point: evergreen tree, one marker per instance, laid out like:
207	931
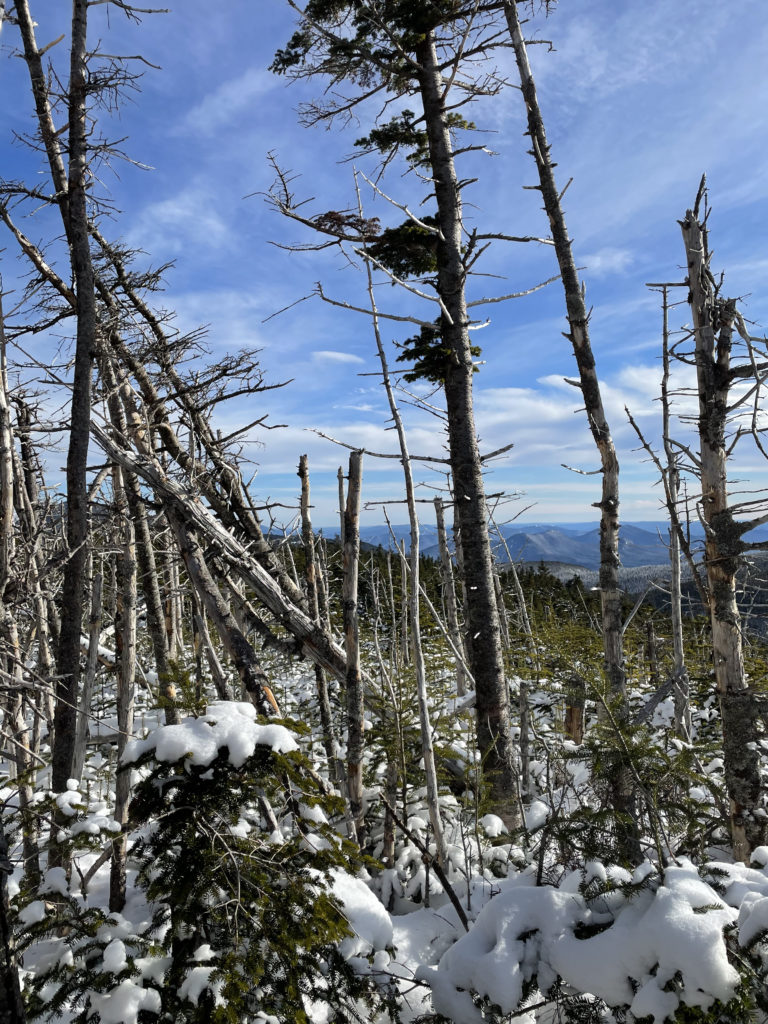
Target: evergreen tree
407	48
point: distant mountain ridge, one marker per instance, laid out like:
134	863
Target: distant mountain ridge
640	543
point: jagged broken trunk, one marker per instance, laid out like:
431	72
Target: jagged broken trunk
713	325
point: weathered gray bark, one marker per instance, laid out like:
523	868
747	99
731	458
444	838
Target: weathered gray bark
125	644
222	687
578	334
89	675
355	718
470	510
10	648
413	590
127	423
312	641
73	588
672	490
449	594
713	324
310	571
578	323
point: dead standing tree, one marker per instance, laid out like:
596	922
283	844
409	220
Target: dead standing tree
719	377
578	334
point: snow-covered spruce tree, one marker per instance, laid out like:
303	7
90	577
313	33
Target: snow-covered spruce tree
421	51
242	870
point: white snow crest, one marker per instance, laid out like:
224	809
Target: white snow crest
370	923
676	930
122	1004
228	724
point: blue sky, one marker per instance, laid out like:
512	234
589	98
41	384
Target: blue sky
639	100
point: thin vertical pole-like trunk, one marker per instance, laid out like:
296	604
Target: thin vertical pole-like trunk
682	682
405	642
127	422
221	685
578	322
340	480
250	670
73	588
577	314
413	584
713	324
15	714
470	509
449	594
310	572
354	683
125	637
89	676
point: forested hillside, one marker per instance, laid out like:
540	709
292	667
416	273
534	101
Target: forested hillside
257	771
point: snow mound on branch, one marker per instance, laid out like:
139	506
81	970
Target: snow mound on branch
122	1004
230	724
526	933
369	921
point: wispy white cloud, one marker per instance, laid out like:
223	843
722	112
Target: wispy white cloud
232	100
608	260
190	216
331	356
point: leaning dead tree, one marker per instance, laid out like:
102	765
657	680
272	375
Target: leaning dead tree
727	388
579	336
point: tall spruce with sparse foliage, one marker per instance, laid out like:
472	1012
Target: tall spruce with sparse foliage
417	50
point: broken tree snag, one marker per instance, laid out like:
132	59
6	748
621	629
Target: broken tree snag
713	324
575	699
354	683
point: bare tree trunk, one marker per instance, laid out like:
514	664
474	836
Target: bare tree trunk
405	639
91	664
470	510
682	682
414	588
713	322
578	323
223	689
314	642
15	715
127	422
308	540
74	589
125	643
449	594
355	716
340	479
